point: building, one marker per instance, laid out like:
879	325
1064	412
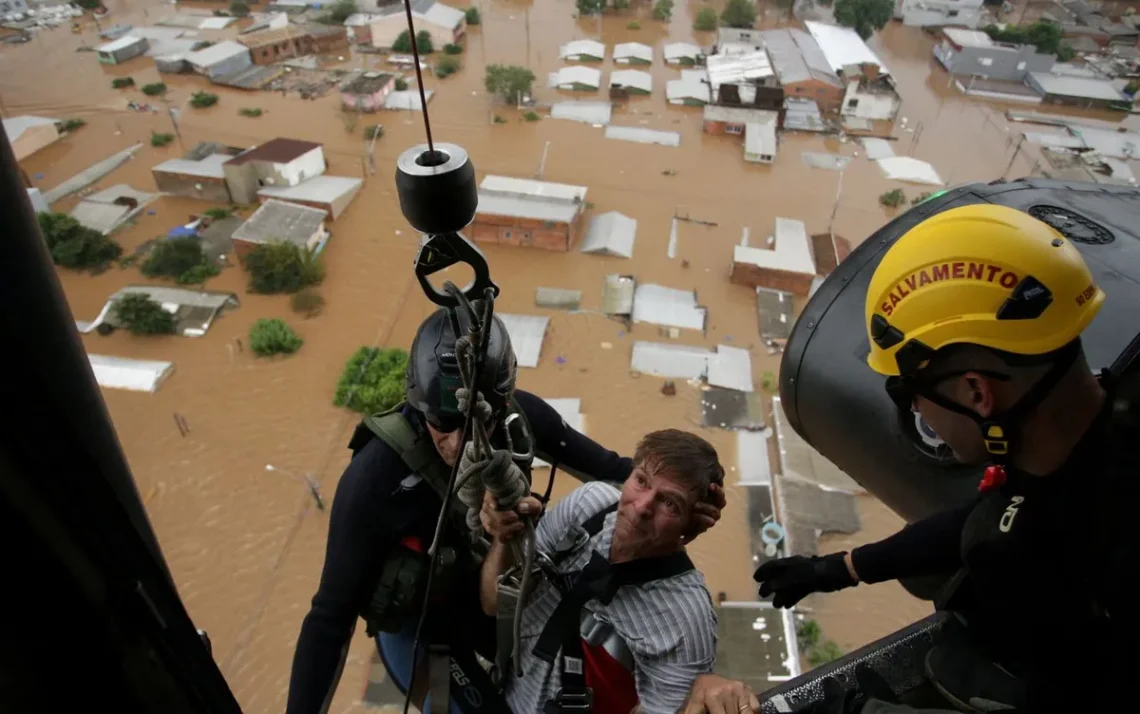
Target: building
281	222
445	24
760	142
973	53
358	27
685	54
1084	92
194	310
939	13
787	266
582	51
624	82
276	163
744	80
869	90
28	134
269	46
633	53
733	120
366	92
221	59
802	69
203	179
123	49
11	7
692	89
736	41
577	79
330	194
522	212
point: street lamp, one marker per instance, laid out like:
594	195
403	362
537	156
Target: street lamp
314	487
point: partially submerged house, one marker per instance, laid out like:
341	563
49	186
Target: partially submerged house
760	142
802	69
758	126
366	93
1084	92
28	134
331	194
939	13
226	57
788	265
973	53
738	41
276	163
274	45
744	80
610	233
692	89
106	210
523	212
527	333
630	81
446	25
194	310
123	49
577	79
200	178
582	51
633	53
135	375
870	93
281	222
668	307
685	54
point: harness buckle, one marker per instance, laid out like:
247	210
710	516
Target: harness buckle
573	699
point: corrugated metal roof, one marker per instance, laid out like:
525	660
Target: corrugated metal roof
120	44
690	86
443	15
1077	87
571	412
739	68
527	333
319	189
739	115
216	53
731	368
102	217
967	38
588	112
670	361
842	47
617	295
18	125
659	305
876	148
633	78
558	298
209	167
681	50
632	51
610	233
580	48
752	465
776	311
797	57
136	375
792	252
569	76
641	135
760	139
407	99
281	221
906	168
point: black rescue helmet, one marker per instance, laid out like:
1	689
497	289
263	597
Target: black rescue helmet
433	371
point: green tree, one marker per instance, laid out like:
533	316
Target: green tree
508	81
446	66
706	20
402	43
864	16
154	89
307	302
893	198
621	4
201	100
738	13
270	336
239	8
401	84
663	10
142	316
122	82
217	213
340	11
159	140
472	14
423	42
453	49
373	380
282	268
590	7
172	257
74	245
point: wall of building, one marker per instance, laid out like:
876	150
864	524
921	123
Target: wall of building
508	230
828	97
1001	63
213	189
305	166
33	139
320	206
867	105
386	30
228	66
936	13
242	182
754	276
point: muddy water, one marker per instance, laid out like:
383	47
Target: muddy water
246	545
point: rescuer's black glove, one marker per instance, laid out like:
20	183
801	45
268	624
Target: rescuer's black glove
792	579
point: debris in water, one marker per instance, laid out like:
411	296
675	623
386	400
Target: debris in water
668	172
152	212
607	345
684	263
669	389
559	360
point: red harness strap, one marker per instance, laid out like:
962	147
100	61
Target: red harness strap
615	690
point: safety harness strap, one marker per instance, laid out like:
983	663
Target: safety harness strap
439	678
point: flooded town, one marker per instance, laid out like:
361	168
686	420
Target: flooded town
662	187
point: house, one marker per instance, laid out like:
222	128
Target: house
737	41
579	79
194	310
787	266
444	23
281	222
633	53
582	51
106	210
692	89
123	49
276	163
630	81
269	46
522	212
733	120
28	134
683	53
745	79
829	251
366	92
1084	92
974	54
760	142
870	93
221	59
331	194
802	69
610	233
939	13
358	27
203	179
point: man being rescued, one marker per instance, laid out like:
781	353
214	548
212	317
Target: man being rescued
621	619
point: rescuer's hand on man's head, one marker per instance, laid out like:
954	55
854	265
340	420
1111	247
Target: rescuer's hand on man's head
789	580
502	524
707	512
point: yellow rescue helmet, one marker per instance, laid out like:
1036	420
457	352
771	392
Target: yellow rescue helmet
984	274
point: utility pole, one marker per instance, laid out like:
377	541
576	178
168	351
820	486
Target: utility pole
1014	157
542	164
835	208
174	121
528	36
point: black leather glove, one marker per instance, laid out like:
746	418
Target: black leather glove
792	579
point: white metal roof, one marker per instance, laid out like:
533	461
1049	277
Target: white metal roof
319	189
407	99
216	23
571	412
792	252
281	221
102	217
659	305
119	44
632	50
752	463
760	138
136	375
524	198
583	110
641	135
689	86
797	57
842	46
159	34
740	115
1077	86
576	48
216	53
731	368
876	148
527	333
680	50
576	75
610	233
18	125
443	15
671	361
906	168
634	78
735	69
209	167
967	38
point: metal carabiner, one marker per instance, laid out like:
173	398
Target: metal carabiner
443	250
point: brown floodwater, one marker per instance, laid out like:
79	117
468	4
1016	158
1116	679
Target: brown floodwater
246	545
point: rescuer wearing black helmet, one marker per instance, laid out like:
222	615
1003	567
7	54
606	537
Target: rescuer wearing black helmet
384	514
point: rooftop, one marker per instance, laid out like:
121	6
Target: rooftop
760	138
739	115
277	221
216	53
428	10
593	48
261	38
693	84
524	198
18	125
587	76
278	151
659	305
610	233
738	69
797	57
791	254
633	50
843	47
367	83
319	189
676	50
209	167
967	38
1077	87
120	44
633	78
